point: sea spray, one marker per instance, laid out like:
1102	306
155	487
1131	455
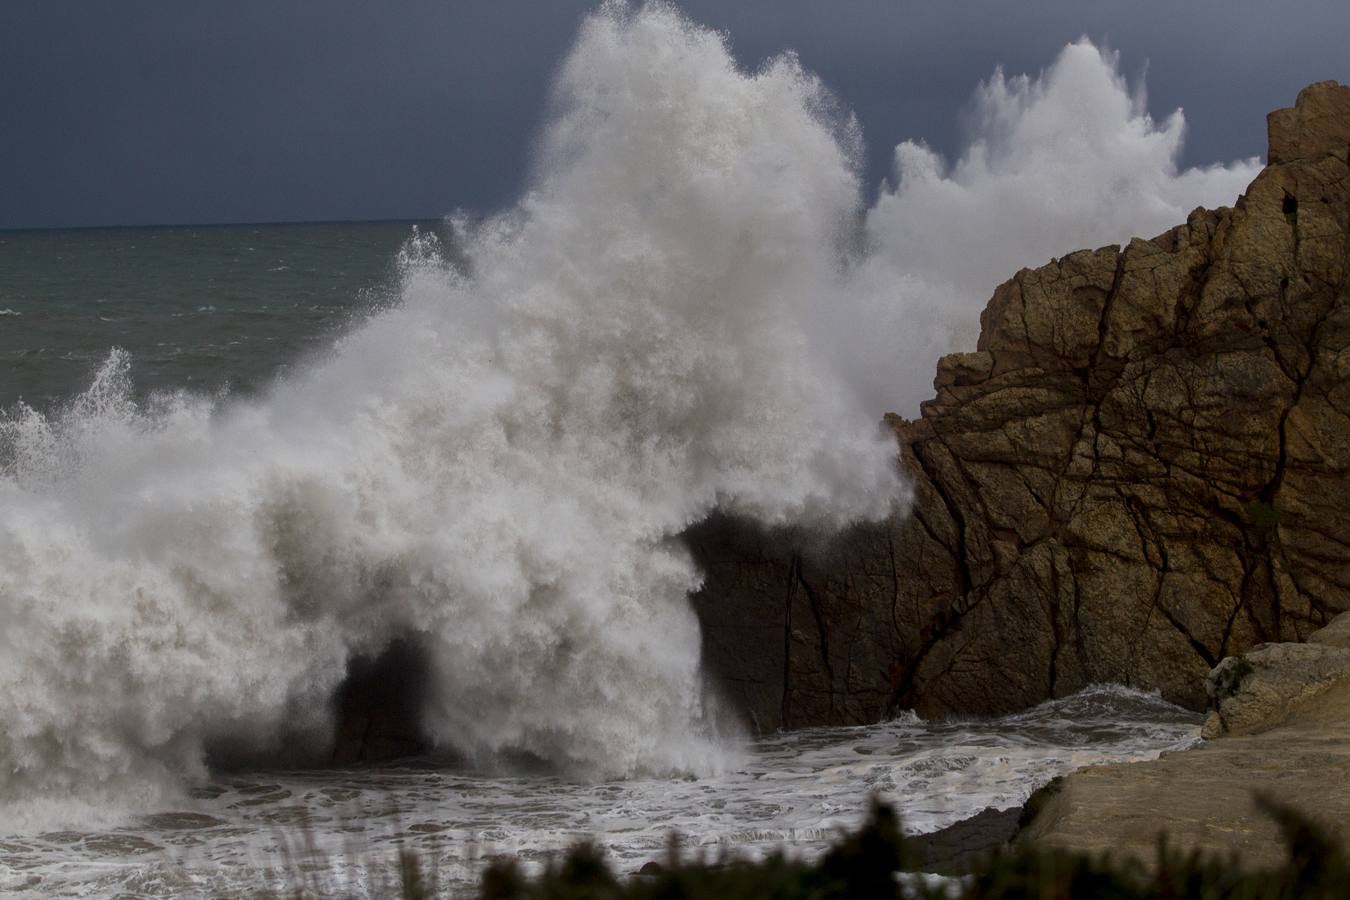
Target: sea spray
793	791
675	317
497	469
1066	160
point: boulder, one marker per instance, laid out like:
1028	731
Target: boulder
1206	799
962	848
1280	730
1273	683
1140	470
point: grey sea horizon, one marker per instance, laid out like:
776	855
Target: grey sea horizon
206	308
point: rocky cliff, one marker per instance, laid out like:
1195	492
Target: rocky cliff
1140	470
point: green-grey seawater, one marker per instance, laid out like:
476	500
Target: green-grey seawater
207	308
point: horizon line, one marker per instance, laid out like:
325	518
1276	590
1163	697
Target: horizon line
6	229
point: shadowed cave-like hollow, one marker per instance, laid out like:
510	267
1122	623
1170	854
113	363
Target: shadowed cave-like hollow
378	708
376	716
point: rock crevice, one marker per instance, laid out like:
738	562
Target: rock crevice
1141	469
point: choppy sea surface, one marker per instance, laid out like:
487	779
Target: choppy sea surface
206	308
228	310
341	830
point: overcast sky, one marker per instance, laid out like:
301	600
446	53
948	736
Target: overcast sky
194	111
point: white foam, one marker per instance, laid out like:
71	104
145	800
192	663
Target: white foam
498	467
795	792
1064	160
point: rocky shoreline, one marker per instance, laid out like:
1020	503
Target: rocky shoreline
1141	476
1196	523
1142	469
1279	728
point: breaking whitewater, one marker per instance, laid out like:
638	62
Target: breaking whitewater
690	309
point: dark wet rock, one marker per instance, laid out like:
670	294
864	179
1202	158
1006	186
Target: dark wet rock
208	791
180	821
118	844
1143	468
379	707
961	848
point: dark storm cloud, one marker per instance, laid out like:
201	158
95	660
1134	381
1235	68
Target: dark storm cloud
193	111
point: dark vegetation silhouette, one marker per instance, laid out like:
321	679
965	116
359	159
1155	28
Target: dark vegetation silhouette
869	864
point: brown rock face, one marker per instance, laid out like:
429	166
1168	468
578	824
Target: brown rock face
1273	684
1141	470
1204	799
1282	723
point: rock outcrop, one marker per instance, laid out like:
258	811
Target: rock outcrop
1272	684
1140	470
1282	729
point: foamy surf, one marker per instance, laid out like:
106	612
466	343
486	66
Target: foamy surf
676	317
792	791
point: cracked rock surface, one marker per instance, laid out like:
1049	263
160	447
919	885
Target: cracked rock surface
1140	470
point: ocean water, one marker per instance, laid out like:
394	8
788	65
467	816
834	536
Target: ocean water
342	830
233	460
203	308
281	297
